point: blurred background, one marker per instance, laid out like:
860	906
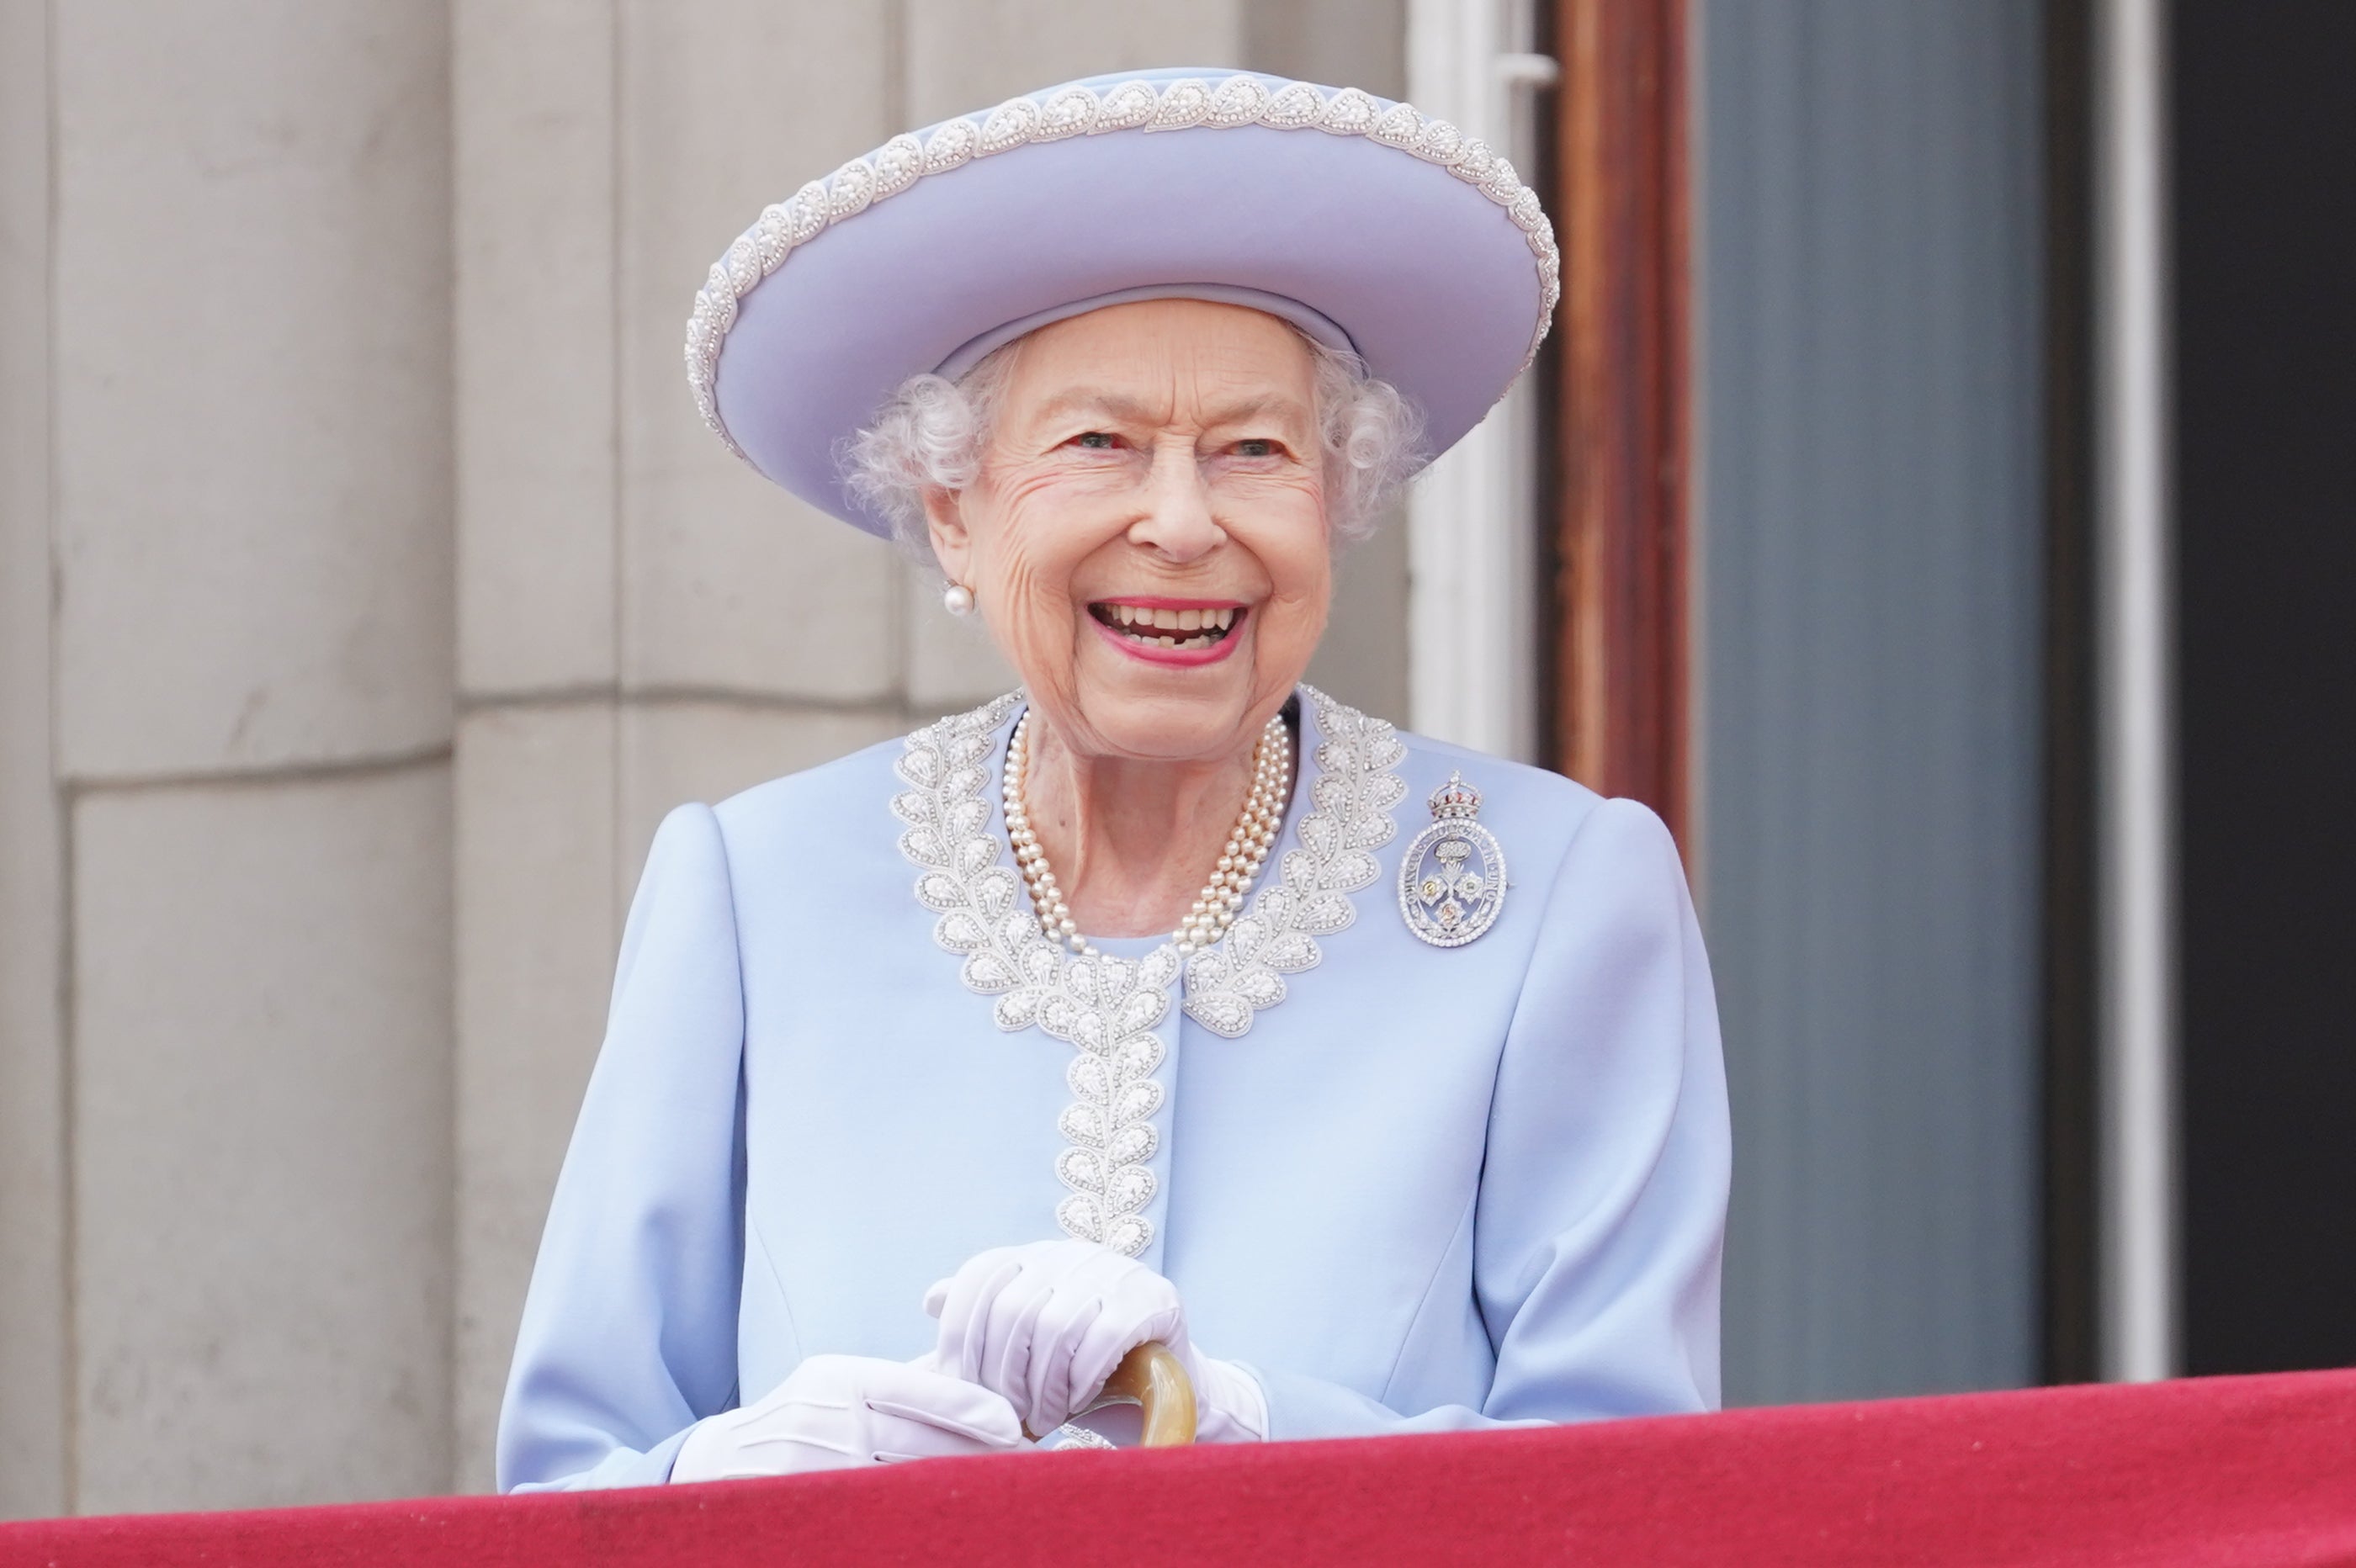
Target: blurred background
1935	500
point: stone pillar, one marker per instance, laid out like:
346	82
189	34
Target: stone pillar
225	808
643	621
33	1333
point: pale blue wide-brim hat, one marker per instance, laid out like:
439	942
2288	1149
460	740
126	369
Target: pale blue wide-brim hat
1363	222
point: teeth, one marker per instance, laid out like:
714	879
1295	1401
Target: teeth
1143	623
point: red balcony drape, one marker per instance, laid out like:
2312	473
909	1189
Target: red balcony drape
2226	1472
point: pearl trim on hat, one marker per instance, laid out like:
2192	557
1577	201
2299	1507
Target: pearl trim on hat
1187	103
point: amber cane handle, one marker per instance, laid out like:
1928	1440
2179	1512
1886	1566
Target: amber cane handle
1155	1381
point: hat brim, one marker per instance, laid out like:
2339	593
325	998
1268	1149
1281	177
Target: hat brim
1432	269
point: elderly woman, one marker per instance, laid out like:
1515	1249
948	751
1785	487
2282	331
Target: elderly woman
1165	999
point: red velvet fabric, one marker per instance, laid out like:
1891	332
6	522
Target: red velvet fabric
2225	1471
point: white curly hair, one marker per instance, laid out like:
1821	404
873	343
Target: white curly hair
930	433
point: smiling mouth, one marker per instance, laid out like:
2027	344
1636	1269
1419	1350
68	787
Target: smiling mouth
1159	626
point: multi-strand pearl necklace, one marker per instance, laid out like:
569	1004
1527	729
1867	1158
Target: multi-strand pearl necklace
1247	848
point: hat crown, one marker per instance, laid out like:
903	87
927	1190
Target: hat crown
1455	331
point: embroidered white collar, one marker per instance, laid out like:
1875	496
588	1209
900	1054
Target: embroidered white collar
1109	1008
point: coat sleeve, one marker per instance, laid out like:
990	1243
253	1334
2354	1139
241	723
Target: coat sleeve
629	1330
1602	1213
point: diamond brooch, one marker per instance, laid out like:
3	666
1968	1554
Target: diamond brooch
1451	883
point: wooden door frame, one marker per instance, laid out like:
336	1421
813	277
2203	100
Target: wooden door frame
1619	512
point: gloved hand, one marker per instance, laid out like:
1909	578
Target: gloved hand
1044	1324
835	1411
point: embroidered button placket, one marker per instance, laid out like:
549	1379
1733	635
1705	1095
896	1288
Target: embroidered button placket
1111	1010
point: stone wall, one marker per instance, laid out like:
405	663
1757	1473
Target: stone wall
368	591
229	737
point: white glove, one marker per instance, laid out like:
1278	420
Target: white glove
1044	1324
835	1411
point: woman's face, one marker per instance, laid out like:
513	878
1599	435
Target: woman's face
1147	538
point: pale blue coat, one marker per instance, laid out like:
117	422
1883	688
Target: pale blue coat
1429	1188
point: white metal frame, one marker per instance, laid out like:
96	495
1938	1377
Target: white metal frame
1472	557
2136	848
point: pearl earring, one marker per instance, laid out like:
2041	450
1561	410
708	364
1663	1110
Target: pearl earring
957	598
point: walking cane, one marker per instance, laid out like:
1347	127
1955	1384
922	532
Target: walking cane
1153	1380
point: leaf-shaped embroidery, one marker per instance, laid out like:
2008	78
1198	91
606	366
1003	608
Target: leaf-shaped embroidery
976	853
1106	981
1017	1009
1138	1056
1347	111
1009	125
1083	1124
939	891
994	891
921	766
1158	968
1209	971
1082	1170
1139	1101
1439	142
1221	1012
924	846
987	972
1291	953
1087	1030
1183	103
1134	1145
1082	1216
1350	871
1321	836
1295	105
966	817
1243	940
1068	112
1260	987
1089	1078
1399	126
1126	108
899	164
960	931
1128	1235
1323	913
912	806
1079	980
1058	1014
1130	1188
1139	1010
1239	100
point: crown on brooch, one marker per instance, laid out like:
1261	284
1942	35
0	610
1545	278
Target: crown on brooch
1455	798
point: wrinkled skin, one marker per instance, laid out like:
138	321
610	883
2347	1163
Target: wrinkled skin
1166	449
